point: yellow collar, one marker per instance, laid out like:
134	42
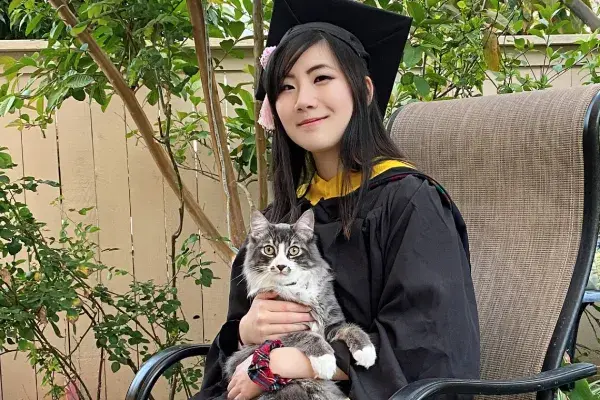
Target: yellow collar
320	189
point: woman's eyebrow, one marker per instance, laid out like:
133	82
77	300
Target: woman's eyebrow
312	69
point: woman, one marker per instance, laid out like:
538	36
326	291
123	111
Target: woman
397	245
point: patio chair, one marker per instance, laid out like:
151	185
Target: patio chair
524	171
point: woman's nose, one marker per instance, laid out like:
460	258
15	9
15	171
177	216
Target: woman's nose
307	98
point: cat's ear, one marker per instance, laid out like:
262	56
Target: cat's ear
305	224
258	223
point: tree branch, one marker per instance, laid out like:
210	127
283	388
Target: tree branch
235	220
259	132
147	131
583	12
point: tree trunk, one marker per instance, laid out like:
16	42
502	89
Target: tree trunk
218	133
583	12
261	141
147	132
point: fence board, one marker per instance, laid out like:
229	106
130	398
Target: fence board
148	216
112	185
76	157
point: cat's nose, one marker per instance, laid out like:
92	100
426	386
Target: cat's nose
281	267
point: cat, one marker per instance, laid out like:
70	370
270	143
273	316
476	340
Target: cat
284	258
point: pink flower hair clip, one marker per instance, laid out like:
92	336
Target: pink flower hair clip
265	117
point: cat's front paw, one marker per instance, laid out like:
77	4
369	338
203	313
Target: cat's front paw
366	356
324	366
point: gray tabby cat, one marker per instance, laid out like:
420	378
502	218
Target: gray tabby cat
284	258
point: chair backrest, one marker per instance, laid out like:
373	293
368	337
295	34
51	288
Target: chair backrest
523	170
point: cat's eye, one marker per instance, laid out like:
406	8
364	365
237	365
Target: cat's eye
294	251
268	250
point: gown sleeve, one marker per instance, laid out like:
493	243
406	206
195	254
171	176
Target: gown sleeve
426	325
214	386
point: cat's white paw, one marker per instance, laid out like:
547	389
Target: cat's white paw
365	356
324	366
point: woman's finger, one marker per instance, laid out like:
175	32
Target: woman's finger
285	306
287	318
279	329
231	384
266	295
233	393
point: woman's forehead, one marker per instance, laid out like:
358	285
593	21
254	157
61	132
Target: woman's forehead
315	57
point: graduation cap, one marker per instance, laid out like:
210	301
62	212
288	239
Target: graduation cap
376	35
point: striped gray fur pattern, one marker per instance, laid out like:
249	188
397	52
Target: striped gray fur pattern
284	258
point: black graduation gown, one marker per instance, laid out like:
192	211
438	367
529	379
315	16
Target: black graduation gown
404	276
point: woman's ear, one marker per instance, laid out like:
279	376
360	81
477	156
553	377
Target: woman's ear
369	84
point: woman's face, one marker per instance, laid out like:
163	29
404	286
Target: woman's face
315	101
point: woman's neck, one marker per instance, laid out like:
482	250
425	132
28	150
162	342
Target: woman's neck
327	163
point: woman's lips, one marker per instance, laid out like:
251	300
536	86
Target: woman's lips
312	121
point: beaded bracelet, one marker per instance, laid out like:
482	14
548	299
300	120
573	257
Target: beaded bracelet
260	372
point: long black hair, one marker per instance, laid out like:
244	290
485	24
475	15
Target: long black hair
364	141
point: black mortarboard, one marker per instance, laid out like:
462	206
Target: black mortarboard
377	35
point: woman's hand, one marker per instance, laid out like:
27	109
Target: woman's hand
270	319
241	387
287	362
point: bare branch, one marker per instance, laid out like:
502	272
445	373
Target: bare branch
261	140
235	220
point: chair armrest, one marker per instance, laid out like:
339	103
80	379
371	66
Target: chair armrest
543	381
155	366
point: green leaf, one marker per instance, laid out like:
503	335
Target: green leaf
33	23
430	40
237	29
57	30
55	328
14	4
207	277
77	29
227	45
27	333
14	247
407	78
6	105
412	55
518	25
5	161
6	234
421	85
537	33
28	61
78	81
190	70
78	94
153	97
85	210
248	6
115	367
416	11
183	326
520	43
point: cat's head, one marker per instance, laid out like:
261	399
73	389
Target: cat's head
280	254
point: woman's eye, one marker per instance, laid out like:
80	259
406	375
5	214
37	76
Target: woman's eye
294	251
286	87
269	250
322	78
